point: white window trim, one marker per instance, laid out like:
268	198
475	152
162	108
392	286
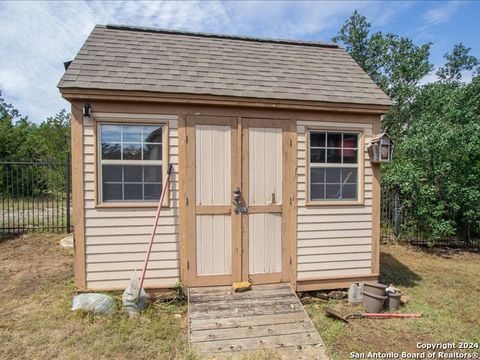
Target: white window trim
99	162
360	165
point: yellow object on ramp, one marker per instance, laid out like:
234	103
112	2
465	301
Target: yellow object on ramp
242	286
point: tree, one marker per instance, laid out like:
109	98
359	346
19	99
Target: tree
393	62
457	62
437	166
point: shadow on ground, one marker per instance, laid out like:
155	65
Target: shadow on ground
395	272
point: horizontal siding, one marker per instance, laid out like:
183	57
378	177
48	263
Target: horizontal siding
116	238
332	240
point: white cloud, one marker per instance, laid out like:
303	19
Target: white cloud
37	37
441	14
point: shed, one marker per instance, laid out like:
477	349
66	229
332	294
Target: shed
286	122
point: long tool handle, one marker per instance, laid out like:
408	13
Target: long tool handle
154	228
390	315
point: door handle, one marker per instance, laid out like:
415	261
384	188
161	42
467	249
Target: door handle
237	201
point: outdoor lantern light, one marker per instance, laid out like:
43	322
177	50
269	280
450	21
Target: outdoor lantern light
87	110
380	148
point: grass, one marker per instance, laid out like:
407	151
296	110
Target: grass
444	287
37	290
36	320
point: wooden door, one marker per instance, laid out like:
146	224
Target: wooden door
265	185
213	229
224	245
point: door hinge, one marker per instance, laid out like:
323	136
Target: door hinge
290	261
290	142
188	265
186	201
186	139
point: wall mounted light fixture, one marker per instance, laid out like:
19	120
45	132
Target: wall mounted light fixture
87	110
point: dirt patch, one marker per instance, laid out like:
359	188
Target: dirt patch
27	263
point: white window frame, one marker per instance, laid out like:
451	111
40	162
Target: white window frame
99	162
359	165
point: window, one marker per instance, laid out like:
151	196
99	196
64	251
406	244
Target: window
130	162
333	166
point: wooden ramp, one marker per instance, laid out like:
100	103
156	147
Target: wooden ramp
267	318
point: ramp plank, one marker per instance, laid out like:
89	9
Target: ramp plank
267	318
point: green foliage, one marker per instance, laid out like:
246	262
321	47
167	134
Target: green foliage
21	139
436	128
437	166
459	60
395	63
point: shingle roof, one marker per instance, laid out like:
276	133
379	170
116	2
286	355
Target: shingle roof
126	58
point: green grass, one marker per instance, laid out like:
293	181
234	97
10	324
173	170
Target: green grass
445	289
37	291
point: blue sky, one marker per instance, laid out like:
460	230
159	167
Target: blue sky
37	37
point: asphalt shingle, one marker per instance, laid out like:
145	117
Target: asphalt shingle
177	62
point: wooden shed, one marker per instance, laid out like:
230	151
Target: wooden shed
286	122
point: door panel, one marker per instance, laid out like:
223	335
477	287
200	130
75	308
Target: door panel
214	245
213	164
265	166
265	238
213	230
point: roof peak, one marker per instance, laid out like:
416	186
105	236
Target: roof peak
219	36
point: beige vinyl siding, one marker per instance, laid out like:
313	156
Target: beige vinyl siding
116	238
332	240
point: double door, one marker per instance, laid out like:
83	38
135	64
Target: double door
239	196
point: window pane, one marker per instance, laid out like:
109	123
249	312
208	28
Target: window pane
349	192
317	192
132	173
349	156
349	176
317	175
111	151
334	140
333	175
152	173
110	133
132	192
112	192
317	155
350	140
334	156
131	133
152	134
152	152
152	191
132	152
332	191
112	173
317	139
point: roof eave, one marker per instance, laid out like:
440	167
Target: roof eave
75	94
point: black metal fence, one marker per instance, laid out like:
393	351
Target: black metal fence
35	195
400	223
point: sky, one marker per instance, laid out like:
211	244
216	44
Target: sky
36	38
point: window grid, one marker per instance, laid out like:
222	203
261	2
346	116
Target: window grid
333	165
133	162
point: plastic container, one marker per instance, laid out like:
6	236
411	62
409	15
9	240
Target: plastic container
393	300
374	288
374	303
355	294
